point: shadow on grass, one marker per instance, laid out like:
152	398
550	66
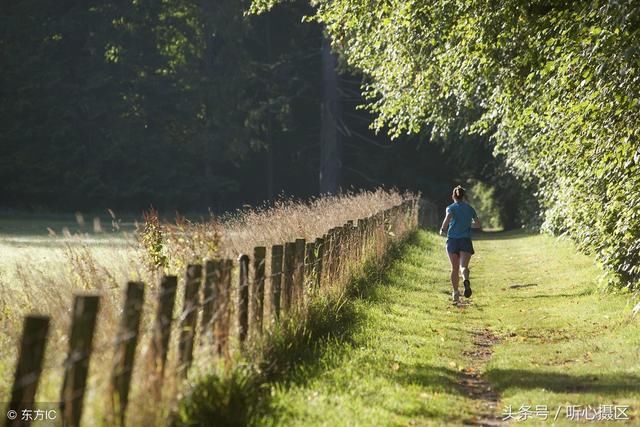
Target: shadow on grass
501	235
583	293
614	384
289	355
428	375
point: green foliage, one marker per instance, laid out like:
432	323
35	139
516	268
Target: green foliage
214	400
554	83
152	241
482	198
114	105
186	105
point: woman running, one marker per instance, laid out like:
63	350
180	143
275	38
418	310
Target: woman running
460	218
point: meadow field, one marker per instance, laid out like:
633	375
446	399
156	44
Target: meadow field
48	260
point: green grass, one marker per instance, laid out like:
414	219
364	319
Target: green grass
393	355
562	341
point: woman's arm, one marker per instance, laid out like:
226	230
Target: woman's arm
445	223
476	224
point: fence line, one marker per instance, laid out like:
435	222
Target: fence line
297	270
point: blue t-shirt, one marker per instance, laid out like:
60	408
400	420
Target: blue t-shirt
461	215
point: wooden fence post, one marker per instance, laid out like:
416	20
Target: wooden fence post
369	238
189	318
126	342
379	233
85	312
298	274
363	239
309	265
257	289
221	320
288	270
328	255
29	367
162	328
319	250
337	252
277	252
329	243
331	267
348	245
212	275
243	298
361	234
355	232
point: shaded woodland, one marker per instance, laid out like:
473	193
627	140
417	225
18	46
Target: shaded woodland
191	105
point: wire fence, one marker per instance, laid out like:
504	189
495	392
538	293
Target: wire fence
225	305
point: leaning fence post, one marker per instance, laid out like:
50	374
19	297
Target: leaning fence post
162	327
257	289
360	239
85	312
125	350
348	244
221	319
29	367
336	253
319	248
243	298
189	316
288	271
330	243
298	273
212	275
277	252
309	265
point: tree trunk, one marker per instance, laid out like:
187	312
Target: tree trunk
270	140
330	144
208	131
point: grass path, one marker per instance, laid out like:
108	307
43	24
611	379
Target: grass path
535	333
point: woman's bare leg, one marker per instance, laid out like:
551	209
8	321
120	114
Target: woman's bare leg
465	257
454	259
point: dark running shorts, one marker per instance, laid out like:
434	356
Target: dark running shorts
455	246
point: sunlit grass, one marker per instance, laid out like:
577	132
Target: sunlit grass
562	341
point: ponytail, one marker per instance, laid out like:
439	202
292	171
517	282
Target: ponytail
458	193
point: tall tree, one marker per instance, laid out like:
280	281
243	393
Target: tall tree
330	143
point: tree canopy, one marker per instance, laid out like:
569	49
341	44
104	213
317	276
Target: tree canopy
121	105
554	83
185	104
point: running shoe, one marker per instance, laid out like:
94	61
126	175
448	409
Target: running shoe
467	288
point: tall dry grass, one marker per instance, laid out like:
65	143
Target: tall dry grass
166	248
290	219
